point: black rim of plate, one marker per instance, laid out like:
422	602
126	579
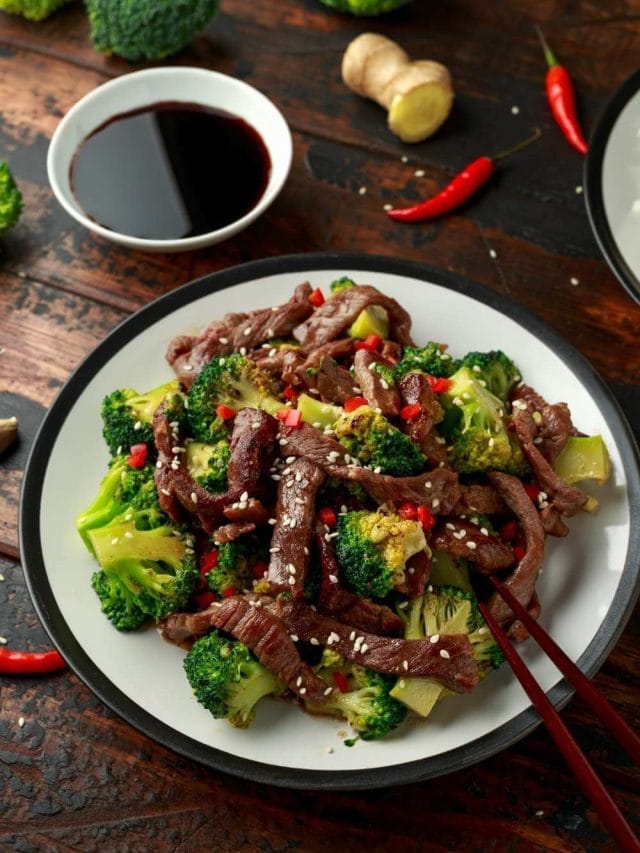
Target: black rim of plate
456	759
594	197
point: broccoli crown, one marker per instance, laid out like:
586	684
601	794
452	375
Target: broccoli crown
127	416
234	381
145	29
343	283
495	369
234	568
119	604
10	195
375	441
208	463
33	10
227	679
367	705
475	428
365	7
372	549
430	358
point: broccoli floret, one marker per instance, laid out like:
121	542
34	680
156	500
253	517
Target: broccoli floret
33	10
375	441
343	283
234	568
365	7
127	416
118	602
372	549
10	196
227	679
430	358
475	429
234	381
494	368
146	29
208	463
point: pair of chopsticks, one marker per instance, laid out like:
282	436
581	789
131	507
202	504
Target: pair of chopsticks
585	775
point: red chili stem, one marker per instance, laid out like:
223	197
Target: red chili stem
30	663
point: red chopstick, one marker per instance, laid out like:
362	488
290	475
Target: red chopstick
586	776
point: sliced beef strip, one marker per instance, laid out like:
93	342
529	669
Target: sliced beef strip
281	364
521	582
415	389
332	382
252	438
331	319
246	619
378	392
555	426
552	522
449	659
416	574
391	350
249	510
341	348
465	539
229	532
566	499
516	631
482	499
188	356
345	606
291	540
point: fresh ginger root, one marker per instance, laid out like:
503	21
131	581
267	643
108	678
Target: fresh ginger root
418	95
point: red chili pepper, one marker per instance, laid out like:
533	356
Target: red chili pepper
204	599
290	393
294	418
228	591
354	403
519	552
509	531
327	516
341	682
532	491
316	297
137	455
561	97
426	519
259	569
411	412
462	187
408	510
29	663
225	412
438	384
208	561
371	343
282	414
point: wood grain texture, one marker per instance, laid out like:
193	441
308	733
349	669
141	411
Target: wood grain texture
76	777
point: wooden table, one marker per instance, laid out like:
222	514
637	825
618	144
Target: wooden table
74	776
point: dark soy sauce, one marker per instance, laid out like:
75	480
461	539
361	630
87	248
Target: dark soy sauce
170	170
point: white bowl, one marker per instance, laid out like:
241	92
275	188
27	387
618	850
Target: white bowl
151	86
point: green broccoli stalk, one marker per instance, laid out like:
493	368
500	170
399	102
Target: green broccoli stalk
10	196
234	381
367	8
146	29
208	463
127	416
495	369
430	358
33	10
375	441
475	429
227	679
372	549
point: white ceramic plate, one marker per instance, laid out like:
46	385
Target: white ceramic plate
612	184
587	590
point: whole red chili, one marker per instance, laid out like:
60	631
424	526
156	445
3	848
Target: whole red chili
561	97
462	187
29	663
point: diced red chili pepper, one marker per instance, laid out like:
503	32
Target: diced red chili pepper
228	591
532	491
519	552
225	412
138	454
411	412
354	403
294	418
509	531
408	510
208	561
391	359
259	569
316	297
282	414
425	517
290	393
327	516
438	384
341	682
371	343
204	599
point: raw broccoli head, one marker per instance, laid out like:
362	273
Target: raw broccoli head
367	705
365	7
227	679
494	368
231	380
10	195
343	283
127	416
33	10
430	358
475	428
375	441
372	549
146	29
208	463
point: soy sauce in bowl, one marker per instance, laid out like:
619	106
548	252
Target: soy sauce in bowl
170	170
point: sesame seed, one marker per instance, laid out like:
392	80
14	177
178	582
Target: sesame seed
244	496
484	531
483	630
306	551
515	110
493	254
428	484
450	526
302	691
539	813
137	425
352	636
419	173
299	681
274	550
3	641
314	641
158	464
491	441
276	477
579	190
283	442
403	604
574	281
223	340
405	665
364	649
471	545
434	638
21	722
293	637
327	692
404	159
377	470
333	579
444	654
292	580
128	534
255	425
1	578
188	367
435	503
384	384
291	568
247	331
115	541
362	191
128	517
